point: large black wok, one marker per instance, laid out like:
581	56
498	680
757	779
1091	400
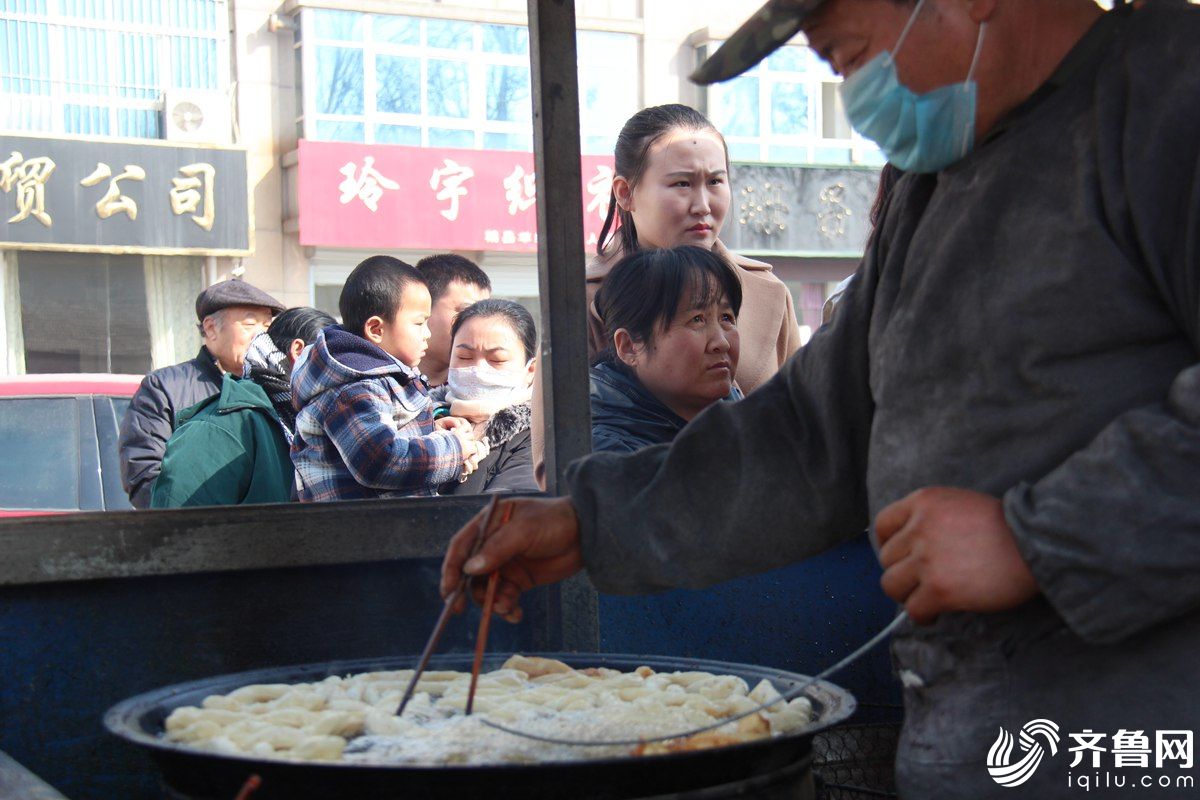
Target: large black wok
198	774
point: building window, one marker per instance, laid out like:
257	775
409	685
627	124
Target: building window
445	83
101	66
788	110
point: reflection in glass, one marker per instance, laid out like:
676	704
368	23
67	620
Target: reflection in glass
787	154
339	80
446	90
396	30
735	107
508	94
451	137
344	26
338	131
398	134
831	155
505	39
40	441
744	151
508	141
789	108
398	82
448	34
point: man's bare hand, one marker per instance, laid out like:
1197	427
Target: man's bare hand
538	545
951	550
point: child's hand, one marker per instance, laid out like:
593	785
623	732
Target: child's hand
471	463
452	423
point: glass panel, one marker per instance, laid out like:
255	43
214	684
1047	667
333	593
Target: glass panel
744	151
787	154
40	441
505	39
508	94
834	124
829	155
398	134
874	157
397	30
446	93
398	82
448	34
99	299
789	59
337	131
85	60
344	26
508	141
137	66
138	123
734	108
85	119
451	137
193	62
339	80
24	57
789	108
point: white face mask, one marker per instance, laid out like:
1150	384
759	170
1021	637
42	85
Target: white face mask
487	383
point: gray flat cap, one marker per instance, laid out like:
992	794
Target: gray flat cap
234	292
770	27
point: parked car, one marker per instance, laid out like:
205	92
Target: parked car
58	437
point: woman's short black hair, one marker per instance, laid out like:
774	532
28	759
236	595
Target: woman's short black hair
375	288
513	313
301	322
646	289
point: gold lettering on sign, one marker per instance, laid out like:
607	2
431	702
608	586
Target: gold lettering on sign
113	202
763	208
188	192
29	177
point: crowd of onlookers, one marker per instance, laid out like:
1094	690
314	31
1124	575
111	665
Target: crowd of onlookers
428	386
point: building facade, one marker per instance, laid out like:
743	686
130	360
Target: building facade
150	148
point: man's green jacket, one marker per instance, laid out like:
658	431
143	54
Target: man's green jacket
228	449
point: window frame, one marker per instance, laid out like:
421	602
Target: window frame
56	101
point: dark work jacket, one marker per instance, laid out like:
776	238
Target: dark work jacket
625	416
1026	324
152	417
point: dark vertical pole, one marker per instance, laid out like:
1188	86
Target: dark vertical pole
560	235
567	417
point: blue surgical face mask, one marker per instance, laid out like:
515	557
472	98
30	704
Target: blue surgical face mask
917	132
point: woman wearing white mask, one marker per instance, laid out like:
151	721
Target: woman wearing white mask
490	383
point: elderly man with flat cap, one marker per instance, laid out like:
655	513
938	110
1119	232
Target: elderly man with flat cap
230	314
1009	395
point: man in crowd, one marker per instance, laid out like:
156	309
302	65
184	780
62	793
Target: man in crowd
1009	391
454	283
230	314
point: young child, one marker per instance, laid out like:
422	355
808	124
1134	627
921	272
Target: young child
365	425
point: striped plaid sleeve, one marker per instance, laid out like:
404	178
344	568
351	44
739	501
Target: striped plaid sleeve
359	423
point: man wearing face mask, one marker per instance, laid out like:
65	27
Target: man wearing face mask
1009	392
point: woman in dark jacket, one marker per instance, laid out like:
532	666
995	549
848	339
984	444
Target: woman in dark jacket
493	344
670	323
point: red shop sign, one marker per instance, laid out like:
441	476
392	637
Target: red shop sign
388	197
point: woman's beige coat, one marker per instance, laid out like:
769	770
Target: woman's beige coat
767	326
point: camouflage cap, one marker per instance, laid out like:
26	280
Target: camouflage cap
770	27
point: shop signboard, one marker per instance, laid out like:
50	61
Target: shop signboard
803	211
388	197
95	195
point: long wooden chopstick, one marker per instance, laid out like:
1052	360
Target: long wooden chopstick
485	623
453	597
